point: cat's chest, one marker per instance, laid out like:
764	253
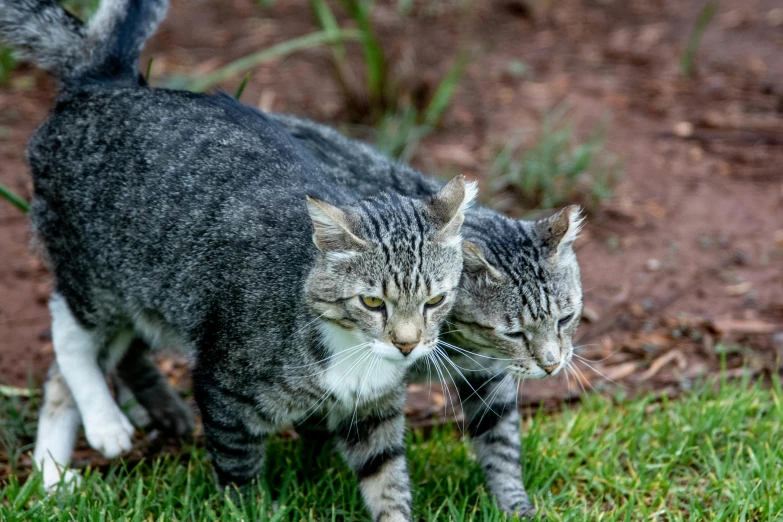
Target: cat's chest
361	378
356	374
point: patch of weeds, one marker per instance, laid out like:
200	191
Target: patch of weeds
400	132
550	168
18	408
381	95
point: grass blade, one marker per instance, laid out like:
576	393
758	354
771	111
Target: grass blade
689	56
12	198
270	53
241	88
148	72
374	60
442	97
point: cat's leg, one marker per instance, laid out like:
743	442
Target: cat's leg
77	350
165	407
235	431
58	425
490	411
374	447
314	439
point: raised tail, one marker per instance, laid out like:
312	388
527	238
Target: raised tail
108	47
44	33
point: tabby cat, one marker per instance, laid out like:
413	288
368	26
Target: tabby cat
520	301
190	220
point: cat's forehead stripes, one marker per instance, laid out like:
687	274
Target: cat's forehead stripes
511	249
401	229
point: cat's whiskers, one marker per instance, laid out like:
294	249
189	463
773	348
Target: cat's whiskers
347	353
452	331
585	359
481	367
443	388
468	352
599	373
578	377
457	369
492	397
331	388
488	381
370	369
465	354
305	326
439	355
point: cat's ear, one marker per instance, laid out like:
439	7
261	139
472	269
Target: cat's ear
559	232
331	228
449	205
475	263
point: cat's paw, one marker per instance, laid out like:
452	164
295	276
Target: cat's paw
526	511
110	433
55	479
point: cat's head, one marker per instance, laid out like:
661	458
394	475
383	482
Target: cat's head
521	296
388	269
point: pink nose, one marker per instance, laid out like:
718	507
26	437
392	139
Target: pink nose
406	348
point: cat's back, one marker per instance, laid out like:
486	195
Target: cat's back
172	186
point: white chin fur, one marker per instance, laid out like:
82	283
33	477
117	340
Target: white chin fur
361	373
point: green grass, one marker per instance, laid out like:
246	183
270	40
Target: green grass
553	167
714	454
688	58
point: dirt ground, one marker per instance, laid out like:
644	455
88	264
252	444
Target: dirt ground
683	265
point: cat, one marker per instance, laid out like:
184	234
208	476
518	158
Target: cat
516	312
190	220
520	299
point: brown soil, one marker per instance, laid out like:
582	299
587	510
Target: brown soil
686	256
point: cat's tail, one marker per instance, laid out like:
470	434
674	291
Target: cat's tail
108	47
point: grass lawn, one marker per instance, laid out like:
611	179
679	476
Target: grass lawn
714	454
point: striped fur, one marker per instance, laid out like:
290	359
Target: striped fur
520	298
521	279
43	32
226	243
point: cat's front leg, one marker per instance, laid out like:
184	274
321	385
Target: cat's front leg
235	433
493	424
374	447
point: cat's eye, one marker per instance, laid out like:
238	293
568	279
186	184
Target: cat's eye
515	335
565	320
372	302
435	301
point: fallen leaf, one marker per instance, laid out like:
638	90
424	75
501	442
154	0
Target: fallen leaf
615	373
752	326
663	360
739	288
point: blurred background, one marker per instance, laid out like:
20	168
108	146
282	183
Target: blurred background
663	118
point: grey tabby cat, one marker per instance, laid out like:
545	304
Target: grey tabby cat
191	220
519	302
516	312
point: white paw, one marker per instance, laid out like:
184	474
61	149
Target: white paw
54	479
109	433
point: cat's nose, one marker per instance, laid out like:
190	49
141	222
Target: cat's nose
552	367
406	347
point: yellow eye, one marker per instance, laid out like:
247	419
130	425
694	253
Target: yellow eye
372	302
435	300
